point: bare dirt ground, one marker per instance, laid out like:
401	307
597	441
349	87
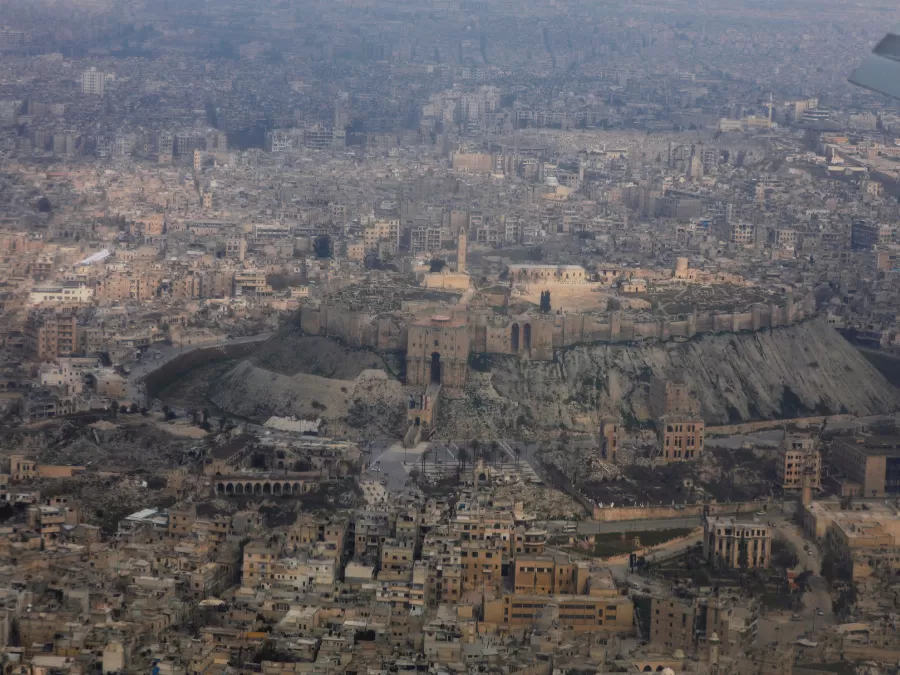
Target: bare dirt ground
675	300
578	298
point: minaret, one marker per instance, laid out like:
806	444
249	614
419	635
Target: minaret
805	485
714	642
461	252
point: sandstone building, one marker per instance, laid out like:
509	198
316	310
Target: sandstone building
870	465
736	545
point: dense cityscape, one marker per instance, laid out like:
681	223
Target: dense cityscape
368	337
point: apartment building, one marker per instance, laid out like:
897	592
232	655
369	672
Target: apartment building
686	623
258	564
549	575
382	231
680	438
481	563
609	439
742	234
48	336
66	293
581	613
92	82
250	282
799	456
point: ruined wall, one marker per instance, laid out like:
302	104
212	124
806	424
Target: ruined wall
535	337
615	514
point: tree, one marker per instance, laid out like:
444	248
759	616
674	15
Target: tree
462	457
322	246
436	265
495	451
114	408
784	554
545	302
134	409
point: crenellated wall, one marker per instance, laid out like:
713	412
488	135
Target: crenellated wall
536	336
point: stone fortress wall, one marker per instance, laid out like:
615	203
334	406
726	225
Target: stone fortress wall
536	336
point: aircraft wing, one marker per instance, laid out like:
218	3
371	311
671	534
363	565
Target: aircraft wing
880	70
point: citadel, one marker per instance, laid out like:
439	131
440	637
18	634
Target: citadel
438	337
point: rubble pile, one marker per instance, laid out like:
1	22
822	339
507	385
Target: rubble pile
128	446
377	406
480	413
542	502
106	499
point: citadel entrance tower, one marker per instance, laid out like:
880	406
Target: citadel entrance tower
437	352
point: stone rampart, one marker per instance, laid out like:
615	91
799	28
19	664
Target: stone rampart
535	337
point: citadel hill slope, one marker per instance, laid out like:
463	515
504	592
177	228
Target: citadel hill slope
355	391
807	368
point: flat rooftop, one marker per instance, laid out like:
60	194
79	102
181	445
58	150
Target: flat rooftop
873	446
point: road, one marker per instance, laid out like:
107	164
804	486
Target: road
386	462
782	627
148	363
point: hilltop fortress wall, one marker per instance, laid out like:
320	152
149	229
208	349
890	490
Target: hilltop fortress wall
535	337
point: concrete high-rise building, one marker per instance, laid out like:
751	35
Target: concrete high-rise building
166	147
865	235
92	82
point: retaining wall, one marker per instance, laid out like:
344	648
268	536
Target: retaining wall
615	514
